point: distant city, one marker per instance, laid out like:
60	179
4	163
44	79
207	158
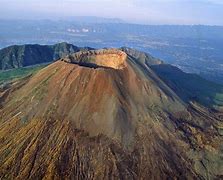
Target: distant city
194	49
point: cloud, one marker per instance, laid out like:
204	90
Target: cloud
215	1
142	11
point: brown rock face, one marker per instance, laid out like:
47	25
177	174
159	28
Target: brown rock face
70	121
110	58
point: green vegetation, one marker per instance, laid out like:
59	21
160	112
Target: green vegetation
32	54
13	74
219	99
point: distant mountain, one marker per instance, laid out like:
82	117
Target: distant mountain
26	55
104	114
142	57
93	19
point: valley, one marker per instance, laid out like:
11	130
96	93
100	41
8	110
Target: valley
194	49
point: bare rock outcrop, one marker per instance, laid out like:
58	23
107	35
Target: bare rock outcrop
110	58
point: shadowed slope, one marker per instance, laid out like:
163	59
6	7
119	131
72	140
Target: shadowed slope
191	87
32	54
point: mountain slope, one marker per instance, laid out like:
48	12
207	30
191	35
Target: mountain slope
191	87
94	116
142	57
26	55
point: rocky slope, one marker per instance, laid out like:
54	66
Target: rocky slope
110	58
75	121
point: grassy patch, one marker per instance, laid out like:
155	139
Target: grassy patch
13	74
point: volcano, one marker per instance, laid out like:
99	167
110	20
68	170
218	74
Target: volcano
103	114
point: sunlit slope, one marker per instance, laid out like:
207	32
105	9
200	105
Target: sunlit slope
99	122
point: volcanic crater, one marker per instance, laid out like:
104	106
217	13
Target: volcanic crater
107	58
120	121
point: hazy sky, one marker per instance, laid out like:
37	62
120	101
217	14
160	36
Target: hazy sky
140	11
